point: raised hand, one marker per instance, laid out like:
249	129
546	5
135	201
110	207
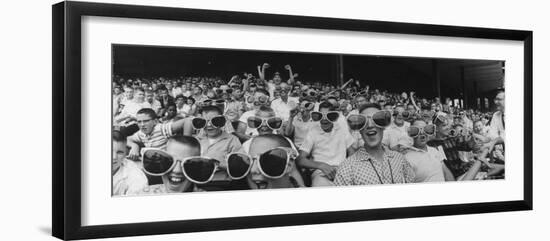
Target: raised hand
265	65
287	67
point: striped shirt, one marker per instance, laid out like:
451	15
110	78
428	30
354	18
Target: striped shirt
157	139
363	169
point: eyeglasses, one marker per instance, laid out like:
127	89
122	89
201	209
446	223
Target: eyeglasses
405	114
331	116
196	169
262	99
255	122
272	163
217	121
381	119
414	131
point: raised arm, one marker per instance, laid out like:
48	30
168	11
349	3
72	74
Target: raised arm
411	95
291	79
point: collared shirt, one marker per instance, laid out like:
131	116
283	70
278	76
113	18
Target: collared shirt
129	179
427	164
396	135
157	139
363	169
301	129
282	109
330	147
218	149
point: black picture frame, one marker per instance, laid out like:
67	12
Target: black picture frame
67	138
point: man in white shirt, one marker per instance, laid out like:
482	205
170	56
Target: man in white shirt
497	126
328	144
395	135
284	104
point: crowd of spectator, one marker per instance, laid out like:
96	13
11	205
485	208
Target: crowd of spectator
199	133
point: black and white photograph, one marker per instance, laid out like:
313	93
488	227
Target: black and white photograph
187	119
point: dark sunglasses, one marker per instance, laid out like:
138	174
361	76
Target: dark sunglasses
272	163
217	121
414	131
197	169
404	114
381	119
331	116
255	122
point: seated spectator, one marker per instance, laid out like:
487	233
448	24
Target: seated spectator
127	175
216	144
168	164
373	163
325	146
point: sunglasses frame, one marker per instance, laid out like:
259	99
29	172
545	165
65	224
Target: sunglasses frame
264	120
290	154
207	121
324	116
174	163
367	119
421	130
396	113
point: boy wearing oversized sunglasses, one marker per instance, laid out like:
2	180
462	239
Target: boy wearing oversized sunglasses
328	145
216	143
169	164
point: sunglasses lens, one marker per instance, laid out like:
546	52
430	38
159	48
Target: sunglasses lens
413	131
332	116
198	123
382	118
254	122
356	122
316	116
238	165
218	121
275	123
429	129
309	106
229	91
199	169
157	162
273	163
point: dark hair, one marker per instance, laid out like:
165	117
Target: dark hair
148	111
181	96
187	140
139	89
210	108
369	105
326	104
171	104
191	98
118	136
265	108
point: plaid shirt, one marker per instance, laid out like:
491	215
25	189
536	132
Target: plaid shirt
362	169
